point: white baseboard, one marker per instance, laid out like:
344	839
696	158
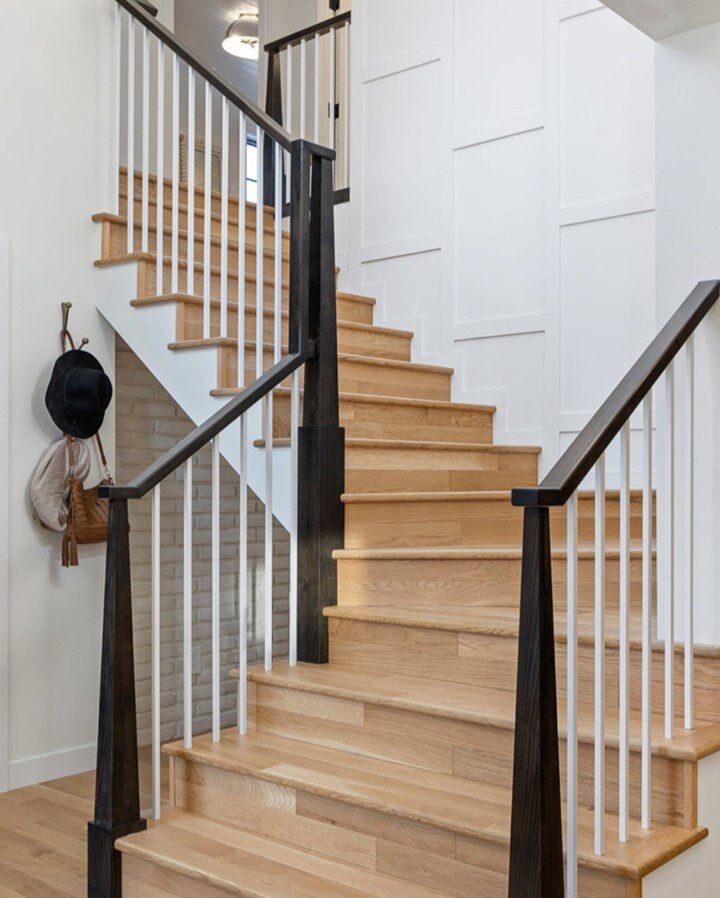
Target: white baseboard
52	766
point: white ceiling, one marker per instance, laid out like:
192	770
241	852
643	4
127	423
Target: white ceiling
201	24
663	18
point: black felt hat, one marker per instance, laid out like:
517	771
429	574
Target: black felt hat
78	394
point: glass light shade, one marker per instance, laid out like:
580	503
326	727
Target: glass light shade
241	38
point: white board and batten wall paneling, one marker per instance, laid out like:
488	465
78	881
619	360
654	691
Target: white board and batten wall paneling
503	198
4	501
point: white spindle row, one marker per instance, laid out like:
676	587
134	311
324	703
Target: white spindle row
657	580
153	107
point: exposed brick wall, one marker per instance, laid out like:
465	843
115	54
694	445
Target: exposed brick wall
148	423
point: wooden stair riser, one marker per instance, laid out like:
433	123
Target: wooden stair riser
475	751
491	661
434	582
351	340
453	863
484	521
362	375
370	419
216	200
114	243
147	284
409	468
215	220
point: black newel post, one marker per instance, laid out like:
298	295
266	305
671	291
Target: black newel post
321	441
274	108
536	847
117	792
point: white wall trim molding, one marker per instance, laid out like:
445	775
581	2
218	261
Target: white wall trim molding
510	326
409	246
5	424
569	9
614	207
403	62
497	130
42	768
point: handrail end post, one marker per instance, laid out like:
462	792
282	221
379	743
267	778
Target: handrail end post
536	842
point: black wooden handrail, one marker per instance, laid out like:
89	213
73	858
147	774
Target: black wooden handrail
320	28
588	447
253	112
202	435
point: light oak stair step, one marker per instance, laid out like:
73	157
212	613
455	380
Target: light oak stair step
353	338
350	309
189	854
114	242
483	516
215	217
460	826
147	277
478	647
367	374
216	196
388	417
469	575
462	730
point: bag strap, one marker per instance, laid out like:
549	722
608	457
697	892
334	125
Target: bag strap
103	459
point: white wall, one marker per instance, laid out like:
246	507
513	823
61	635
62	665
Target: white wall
688	197
54	174
503	178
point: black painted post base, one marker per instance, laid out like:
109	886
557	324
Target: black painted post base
321	518
104	876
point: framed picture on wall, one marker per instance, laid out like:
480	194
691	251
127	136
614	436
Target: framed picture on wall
215	163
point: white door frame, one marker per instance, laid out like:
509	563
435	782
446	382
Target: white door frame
5	425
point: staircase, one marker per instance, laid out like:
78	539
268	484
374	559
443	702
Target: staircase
388	771
421	759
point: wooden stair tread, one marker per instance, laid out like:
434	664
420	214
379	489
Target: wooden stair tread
182	263
480	705
462	806
382	400
503	621
241	863
586	550
231	342
251	245
364	443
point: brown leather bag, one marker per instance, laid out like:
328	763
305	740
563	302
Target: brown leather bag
88	513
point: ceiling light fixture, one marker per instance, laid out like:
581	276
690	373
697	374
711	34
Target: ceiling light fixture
241	38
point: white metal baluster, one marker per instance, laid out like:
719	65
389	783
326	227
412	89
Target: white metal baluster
600	657
207	243
647	610
572	697
160	174
145	239
259	257
668	548
175	260
131	138
187	605
117	106
215	602
242	249
156	761
289	89
624	766
278	254
192	99
293	601
268	609
303	88
689	529
224	206
331	88
242	583
346	108
316	92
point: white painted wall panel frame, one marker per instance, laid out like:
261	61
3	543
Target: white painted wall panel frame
4	501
